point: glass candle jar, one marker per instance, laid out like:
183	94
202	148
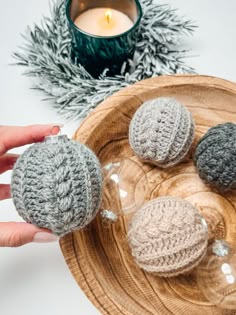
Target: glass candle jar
104	33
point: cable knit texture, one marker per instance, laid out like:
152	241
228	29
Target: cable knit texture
215	156
161	132
167	236
57	185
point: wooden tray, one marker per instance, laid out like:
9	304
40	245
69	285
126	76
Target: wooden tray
100	258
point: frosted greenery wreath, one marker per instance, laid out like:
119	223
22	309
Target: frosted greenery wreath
47	49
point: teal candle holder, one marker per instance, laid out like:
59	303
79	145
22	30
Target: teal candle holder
96	53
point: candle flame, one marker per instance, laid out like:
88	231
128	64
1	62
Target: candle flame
108	15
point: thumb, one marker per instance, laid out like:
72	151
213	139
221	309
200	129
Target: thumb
14	234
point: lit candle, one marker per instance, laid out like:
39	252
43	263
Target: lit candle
103	22
103	33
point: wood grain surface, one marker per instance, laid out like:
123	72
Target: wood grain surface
99	257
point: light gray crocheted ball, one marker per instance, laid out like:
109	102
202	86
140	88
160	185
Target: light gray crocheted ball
161	132
168	236
57	184
215	156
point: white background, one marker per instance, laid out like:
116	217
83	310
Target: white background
34	279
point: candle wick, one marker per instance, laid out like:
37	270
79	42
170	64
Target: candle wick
108	16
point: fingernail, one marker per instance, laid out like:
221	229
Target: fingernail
57	125
43	237
56	128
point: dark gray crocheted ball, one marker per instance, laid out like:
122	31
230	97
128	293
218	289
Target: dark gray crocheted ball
161	132
215	156
57	185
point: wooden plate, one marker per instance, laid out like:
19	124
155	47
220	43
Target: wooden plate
100	258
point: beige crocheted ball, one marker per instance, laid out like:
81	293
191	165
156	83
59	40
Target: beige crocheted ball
161	132
168	236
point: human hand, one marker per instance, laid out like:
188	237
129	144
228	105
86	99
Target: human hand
13	234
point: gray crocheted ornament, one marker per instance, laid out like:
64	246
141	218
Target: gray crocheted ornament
168	236
161	132
57	184
215	156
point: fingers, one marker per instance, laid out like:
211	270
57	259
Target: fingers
7	162
5	191
14	234
11	137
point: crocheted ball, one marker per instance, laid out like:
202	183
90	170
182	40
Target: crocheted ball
57	184
167	236
215	156
161	132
